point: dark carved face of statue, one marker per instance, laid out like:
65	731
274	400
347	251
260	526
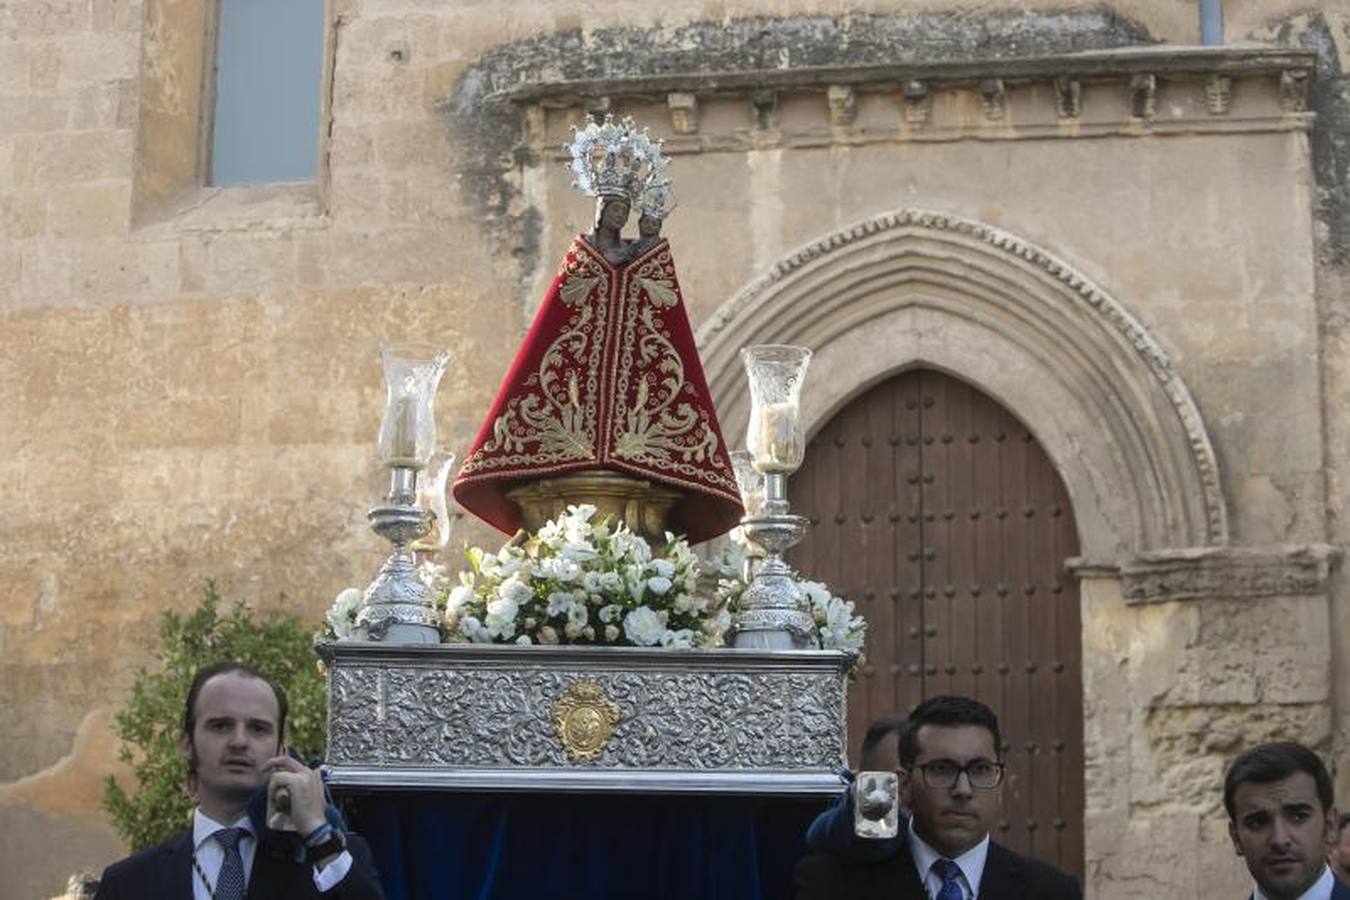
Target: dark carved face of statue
649	226
611	213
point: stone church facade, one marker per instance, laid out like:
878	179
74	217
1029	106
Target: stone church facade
1137	247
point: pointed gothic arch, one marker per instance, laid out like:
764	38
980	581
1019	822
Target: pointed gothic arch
922	288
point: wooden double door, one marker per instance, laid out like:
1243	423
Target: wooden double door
940	516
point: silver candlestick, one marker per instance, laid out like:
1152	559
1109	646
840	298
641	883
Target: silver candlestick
398	606
771	614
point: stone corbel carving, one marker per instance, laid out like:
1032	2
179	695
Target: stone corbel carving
1068	97
1218	94
1143	96
597	107
843	104
1227	573
536	125
765	104
918	102
683	112
994	98
1294	90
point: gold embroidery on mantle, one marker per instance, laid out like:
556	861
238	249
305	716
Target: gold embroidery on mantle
554	421
659	428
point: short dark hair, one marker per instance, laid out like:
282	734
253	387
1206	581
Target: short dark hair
1267	763
206	673
878	732
946	710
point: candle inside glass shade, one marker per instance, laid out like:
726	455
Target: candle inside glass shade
403	445
749	481
774	432
408	430
779	444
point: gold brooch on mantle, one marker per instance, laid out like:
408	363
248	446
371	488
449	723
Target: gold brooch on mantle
584	719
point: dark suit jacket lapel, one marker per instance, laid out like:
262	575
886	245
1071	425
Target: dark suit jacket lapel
1002	877
175	877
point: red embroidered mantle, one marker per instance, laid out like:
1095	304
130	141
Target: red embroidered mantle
608	377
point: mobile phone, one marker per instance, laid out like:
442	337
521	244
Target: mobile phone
279	804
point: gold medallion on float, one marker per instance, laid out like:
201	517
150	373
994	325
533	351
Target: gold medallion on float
584	719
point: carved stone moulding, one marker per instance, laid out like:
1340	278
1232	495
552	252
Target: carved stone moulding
1123	87
508	718
1222	573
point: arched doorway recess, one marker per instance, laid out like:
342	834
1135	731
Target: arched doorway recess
940	516
922	288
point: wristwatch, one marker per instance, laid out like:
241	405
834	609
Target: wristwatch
331	845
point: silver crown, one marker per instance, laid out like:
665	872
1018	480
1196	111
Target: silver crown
617	159
656	200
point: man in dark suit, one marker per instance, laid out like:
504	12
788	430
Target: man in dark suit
1282	820
231	740
950	773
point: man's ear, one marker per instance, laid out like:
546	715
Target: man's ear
1233	835
1333	827
185	748
906	787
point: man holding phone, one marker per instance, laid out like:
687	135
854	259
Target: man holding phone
950	775
232	741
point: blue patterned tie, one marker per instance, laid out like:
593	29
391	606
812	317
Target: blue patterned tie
230	882
950	874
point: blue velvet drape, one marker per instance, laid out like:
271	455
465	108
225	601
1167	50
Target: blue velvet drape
467	846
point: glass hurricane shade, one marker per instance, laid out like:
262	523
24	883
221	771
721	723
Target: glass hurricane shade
774	433
408	431
431	497
749	481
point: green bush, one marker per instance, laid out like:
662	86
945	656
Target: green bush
277	645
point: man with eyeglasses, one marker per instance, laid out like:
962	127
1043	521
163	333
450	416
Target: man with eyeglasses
950	774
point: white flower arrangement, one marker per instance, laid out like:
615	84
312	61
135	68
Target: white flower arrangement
581	581
340	620
578	581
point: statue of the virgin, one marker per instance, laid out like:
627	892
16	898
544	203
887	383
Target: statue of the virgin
606	401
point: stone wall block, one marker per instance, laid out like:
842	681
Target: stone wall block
14	67
73	157
44	18
423	144
112	272
33	114
22	215
247	263
117	16
92	58
178	422
96	209
110	104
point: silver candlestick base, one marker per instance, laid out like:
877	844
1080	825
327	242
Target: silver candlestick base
771	614
399	607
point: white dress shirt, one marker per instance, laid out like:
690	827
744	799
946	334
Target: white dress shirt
971	864
210	856
1321	889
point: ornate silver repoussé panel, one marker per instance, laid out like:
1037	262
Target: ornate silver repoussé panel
482	717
